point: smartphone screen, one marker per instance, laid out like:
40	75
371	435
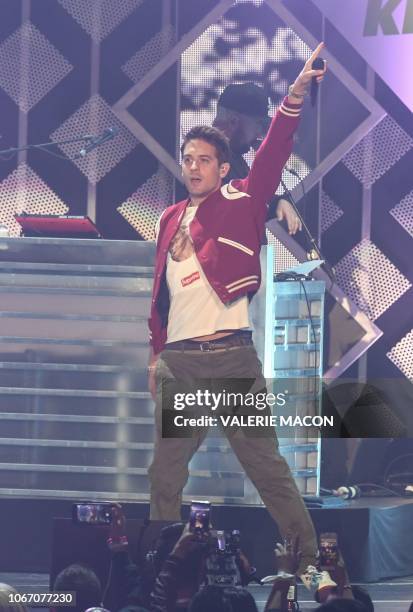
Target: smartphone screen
221	543
90	513
199	517
328	550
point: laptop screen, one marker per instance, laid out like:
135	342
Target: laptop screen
58	226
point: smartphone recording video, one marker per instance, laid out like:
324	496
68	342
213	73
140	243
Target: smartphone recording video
90	513
328	551
199	517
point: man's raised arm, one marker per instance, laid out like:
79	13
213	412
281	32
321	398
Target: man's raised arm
265	174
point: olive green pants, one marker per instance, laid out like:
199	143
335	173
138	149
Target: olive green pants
259	456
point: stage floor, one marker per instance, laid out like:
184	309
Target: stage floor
379	502
394	595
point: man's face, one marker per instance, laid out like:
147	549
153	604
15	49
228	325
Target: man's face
201	171
250	131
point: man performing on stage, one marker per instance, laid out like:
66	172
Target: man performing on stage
207	269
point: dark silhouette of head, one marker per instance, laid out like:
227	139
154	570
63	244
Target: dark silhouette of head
223	599
241	599
83	580
5	606
242	114
342	605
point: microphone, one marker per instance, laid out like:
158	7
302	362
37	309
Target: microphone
293	172
318	64
95	142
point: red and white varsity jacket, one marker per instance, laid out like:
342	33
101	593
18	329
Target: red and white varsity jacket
228	228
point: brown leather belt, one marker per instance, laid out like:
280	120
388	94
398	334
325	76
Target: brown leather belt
239	338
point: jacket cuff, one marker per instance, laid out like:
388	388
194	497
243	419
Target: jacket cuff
150	332
289	109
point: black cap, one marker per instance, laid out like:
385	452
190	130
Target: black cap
246	98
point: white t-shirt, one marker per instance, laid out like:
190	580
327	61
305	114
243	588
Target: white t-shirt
195	309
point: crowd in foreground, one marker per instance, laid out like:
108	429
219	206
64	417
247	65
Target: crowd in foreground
193	571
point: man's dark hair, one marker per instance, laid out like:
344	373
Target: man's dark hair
223	599
241	599
212	136
210	598
84	582
168	537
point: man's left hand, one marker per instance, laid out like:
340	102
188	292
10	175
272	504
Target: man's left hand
285	212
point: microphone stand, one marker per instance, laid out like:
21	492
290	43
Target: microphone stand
314	252
48	145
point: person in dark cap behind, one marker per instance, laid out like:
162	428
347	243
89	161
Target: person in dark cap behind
242	114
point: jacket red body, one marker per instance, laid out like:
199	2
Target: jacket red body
228	226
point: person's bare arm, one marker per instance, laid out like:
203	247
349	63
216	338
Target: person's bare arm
276	147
